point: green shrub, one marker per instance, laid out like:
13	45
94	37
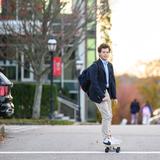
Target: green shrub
45	103
23	97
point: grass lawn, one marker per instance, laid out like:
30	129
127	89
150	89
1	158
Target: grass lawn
14	121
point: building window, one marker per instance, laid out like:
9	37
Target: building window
26	70
91	51
67	9
10	72
91	43
7	9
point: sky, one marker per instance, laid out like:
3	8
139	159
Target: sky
135	34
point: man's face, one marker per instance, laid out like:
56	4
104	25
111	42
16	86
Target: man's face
104	54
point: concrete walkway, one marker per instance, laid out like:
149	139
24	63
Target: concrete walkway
79	142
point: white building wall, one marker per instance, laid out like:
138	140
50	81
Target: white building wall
81	56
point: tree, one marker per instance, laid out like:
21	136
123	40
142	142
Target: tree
150	90
105	20
35	22
152	68
149	86
126	93
127	90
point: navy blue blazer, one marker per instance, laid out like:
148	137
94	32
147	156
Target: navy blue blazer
97	87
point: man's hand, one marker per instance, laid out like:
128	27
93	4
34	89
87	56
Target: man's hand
115	101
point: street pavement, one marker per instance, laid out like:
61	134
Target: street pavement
79	142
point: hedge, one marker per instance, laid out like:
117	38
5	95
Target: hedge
23	97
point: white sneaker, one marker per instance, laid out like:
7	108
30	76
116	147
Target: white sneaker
111	141
107	141
114	141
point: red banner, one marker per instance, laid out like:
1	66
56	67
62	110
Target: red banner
57	66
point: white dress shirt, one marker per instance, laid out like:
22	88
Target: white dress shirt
105	64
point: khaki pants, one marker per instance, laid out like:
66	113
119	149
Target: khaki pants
106	113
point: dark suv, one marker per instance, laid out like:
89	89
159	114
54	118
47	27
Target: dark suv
6	105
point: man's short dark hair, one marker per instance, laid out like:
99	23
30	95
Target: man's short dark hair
103	45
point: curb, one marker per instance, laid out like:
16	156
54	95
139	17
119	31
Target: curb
2	132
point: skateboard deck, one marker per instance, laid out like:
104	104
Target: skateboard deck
113	147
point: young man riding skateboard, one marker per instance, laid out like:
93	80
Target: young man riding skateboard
102	89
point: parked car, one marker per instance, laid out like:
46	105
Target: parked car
156	117
6	105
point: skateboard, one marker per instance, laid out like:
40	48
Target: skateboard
113	147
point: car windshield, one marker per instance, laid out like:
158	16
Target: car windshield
4	80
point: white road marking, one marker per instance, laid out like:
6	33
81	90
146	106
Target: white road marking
77	152
140	152
21	129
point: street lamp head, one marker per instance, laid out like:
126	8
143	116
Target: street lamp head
52	44
79	64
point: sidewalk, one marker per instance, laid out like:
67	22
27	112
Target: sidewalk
78	142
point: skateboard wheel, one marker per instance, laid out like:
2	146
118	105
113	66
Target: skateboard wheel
107	149
118	149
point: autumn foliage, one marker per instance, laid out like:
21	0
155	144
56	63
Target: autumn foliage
129	88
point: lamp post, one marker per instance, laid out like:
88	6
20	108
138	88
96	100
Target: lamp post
79	65
52	44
